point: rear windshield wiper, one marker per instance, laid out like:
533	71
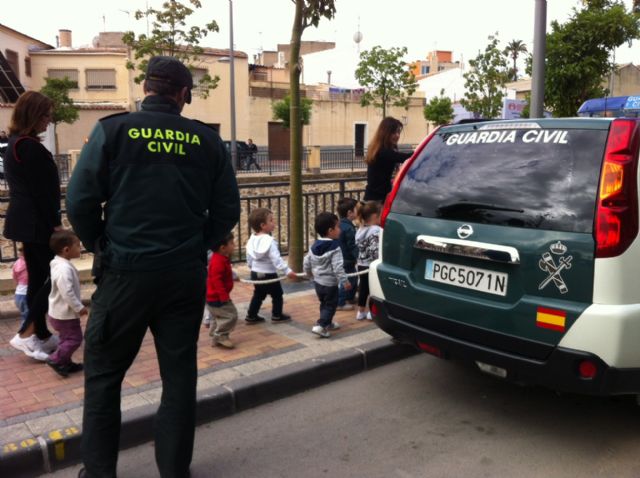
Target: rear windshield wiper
471	206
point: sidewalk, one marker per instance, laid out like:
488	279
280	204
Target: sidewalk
40	411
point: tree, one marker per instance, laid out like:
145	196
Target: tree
64	111
439	110
282	108
579	51
170	36
485	81
513	50
307	13
386	77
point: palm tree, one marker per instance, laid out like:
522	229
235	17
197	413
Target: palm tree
513	49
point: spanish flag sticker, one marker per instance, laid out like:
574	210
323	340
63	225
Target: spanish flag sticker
551	319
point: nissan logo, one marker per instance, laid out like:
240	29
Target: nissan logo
465	231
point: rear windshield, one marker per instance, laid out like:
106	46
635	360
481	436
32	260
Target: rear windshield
537	178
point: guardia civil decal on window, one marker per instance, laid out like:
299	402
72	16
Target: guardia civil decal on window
554	269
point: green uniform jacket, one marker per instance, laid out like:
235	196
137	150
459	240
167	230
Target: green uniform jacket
155	188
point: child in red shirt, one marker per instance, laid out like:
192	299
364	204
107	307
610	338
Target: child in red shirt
219	284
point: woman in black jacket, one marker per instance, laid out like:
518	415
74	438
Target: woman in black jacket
33	214
382	157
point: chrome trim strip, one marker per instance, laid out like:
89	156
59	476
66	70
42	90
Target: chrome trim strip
478	250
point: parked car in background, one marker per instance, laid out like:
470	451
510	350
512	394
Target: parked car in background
513	246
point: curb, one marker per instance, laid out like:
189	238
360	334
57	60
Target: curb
61	448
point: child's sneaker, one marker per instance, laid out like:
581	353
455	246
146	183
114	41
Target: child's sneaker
49	345
361	315
253	320
333	326
62	370
223	341
321	331
280	318
345	307
369	316
73	367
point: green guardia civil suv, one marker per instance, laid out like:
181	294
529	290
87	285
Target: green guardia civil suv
514	246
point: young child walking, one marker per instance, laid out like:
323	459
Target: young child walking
367	239
324	264
65	305
264	261
21	278
347	213
224	314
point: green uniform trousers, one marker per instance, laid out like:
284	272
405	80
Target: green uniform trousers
169	303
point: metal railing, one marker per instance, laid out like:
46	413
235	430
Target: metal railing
63	161
313	203
331	158
274	196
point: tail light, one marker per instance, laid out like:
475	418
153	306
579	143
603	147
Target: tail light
396	183
616	222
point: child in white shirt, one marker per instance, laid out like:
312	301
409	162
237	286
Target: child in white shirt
65	305
264	260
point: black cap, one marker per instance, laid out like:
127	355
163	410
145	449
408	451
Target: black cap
166	69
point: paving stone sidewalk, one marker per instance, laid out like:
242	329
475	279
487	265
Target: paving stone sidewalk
34	400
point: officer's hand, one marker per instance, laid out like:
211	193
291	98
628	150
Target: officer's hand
347	285
84	312
292	275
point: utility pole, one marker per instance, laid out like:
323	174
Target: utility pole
232	79
539	53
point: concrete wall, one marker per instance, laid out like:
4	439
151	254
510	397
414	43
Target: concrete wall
626	81
333	122
55	59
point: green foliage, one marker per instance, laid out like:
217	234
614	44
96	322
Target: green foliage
281	110
170	36
485	81
579	53
513	50
439	110
386	77
64	111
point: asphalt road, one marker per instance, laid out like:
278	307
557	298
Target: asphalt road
421	417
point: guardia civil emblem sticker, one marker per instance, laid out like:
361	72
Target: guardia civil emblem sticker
554	263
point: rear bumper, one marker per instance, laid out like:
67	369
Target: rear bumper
558	371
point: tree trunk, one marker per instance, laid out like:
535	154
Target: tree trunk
296	219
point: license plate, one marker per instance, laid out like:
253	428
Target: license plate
482	280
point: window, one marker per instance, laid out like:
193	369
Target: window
425	70
12	59
198	74
101	79
550	185
60	74
27	66
440	68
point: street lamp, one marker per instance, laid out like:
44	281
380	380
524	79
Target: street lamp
537	73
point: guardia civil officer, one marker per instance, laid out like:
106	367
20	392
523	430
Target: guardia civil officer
152	191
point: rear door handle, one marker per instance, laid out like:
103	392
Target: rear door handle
460	247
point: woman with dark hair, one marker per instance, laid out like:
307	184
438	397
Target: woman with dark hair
382	157
33	214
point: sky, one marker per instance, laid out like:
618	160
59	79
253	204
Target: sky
461	26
